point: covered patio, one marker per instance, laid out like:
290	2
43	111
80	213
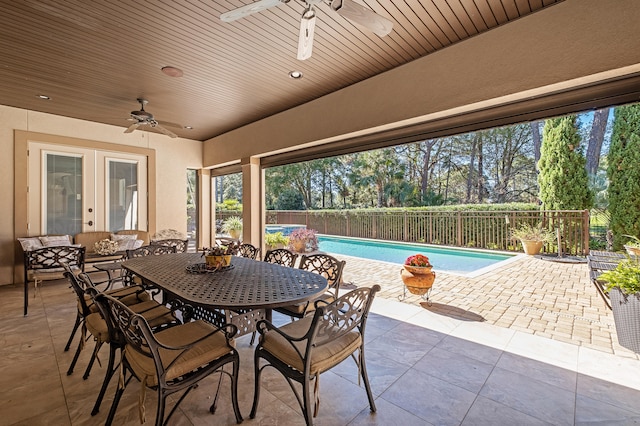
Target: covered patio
493	350
528	343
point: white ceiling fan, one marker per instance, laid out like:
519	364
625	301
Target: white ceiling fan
346	8
145	118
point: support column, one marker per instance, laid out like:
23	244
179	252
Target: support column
252	201
206	207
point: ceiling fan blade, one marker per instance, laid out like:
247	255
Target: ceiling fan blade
307	30
132	127
165	131
361	15
250	9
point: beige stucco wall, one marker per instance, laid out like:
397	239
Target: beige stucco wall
173	157
567	45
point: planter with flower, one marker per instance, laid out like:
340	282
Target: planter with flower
219	257
302	240
417	275
623	287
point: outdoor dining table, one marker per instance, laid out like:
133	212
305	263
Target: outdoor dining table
241	294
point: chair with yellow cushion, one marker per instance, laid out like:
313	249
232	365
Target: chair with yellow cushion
172	360
325	265
302	350
93	322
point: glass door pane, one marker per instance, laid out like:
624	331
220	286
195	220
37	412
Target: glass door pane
122	193
63	195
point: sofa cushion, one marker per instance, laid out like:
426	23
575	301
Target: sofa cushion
89	239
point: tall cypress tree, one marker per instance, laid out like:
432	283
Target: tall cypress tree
623	172
562	177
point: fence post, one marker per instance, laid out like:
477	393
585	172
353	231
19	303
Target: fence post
405	227
586	232
348	225
459	229
374	226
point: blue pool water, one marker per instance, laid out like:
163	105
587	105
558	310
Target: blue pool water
285	229
442	259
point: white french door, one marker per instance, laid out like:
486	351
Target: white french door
74	190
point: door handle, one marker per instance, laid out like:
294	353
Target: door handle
90	223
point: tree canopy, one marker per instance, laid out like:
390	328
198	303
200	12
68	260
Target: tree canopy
623	172
563	179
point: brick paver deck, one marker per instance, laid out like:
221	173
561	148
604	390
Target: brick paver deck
532	295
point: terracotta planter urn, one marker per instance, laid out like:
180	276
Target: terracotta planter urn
418	279
299	246
532	247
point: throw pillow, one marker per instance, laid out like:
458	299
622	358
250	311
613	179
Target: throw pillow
125	242
30	243
55	240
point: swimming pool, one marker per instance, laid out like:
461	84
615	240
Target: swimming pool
285	229
455	260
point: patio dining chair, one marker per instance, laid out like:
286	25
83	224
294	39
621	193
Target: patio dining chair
325	265
46	263
281	256
149	250
93	321
181	245
302	350
172	360
249	251
128	295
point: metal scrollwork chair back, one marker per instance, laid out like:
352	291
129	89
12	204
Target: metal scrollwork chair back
180	244
150	250
302	350
322	264
249	251
281	256
46	264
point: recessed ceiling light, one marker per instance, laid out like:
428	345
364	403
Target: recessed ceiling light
295	74
45	97
172	71
188	127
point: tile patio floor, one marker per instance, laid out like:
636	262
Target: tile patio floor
530	343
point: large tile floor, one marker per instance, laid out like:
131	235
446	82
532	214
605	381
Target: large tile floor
427	366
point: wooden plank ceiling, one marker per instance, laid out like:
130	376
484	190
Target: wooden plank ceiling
93	59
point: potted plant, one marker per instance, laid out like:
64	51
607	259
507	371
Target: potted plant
633	246
623	286
233	226
532	237
417	275
218	257
276	240
303	239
